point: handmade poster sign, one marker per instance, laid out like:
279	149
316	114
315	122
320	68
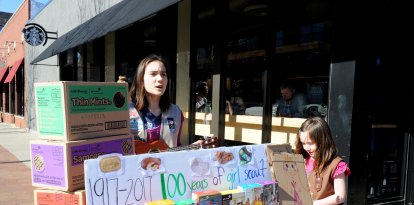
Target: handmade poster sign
137	179
289	171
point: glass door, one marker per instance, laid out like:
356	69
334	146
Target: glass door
386	168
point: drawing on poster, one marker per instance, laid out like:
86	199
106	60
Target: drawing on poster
200	166
152	166
291	170
245	155
224	157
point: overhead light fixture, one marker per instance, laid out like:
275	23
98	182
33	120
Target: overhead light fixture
256	10
150	42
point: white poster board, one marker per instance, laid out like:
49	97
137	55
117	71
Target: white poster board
137	179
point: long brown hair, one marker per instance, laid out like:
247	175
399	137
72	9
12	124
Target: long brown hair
320	134
137	91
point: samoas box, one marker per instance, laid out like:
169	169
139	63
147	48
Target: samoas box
59	165
69	110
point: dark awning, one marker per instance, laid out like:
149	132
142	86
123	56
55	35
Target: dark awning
13	71
2	72
118	16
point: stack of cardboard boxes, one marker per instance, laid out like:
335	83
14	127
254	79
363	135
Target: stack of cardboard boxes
76	121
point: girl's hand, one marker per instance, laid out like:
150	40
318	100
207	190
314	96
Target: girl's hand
199	142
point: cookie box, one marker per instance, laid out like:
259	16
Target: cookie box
270	192
253	193
60	164
69	110
207	197
54	197
232	197
161	202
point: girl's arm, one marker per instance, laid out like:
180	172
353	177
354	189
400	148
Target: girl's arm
340	192
179	129
229	108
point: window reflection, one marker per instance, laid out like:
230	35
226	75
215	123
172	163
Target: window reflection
80	58
203	87
244	89
265	45
202	103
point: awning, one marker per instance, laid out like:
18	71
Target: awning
118	16
2	72
13	71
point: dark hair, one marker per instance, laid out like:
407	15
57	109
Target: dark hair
201	89
320	134
287	85
138	92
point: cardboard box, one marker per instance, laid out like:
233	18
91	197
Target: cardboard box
252	193
161	202
60	165
270	192
232	197
69	110
207	197
54	197
289	171
186	202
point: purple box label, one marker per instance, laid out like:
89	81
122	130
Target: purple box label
48	161
92	151
48	165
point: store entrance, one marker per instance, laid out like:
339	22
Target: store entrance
381	143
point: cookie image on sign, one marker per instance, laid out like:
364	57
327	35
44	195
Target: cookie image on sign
245	155
200	167
151	163
224	157
119	99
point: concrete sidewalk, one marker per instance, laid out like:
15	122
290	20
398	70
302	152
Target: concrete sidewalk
16	141
15	175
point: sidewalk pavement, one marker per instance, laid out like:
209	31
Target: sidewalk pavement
15	177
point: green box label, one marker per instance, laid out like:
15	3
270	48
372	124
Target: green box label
50	110
97	98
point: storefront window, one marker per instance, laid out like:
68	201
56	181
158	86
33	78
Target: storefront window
83	63
12	97
6	90
1	98
244	89
154	35
20	90
67	68
203	91
80	59
95	60
265	47
302	58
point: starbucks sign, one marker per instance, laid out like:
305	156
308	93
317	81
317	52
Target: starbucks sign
35	35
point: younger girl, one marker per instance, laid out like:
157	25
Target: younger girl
326	171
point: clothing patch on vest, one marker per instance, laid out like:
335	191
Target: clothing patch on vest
171	124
